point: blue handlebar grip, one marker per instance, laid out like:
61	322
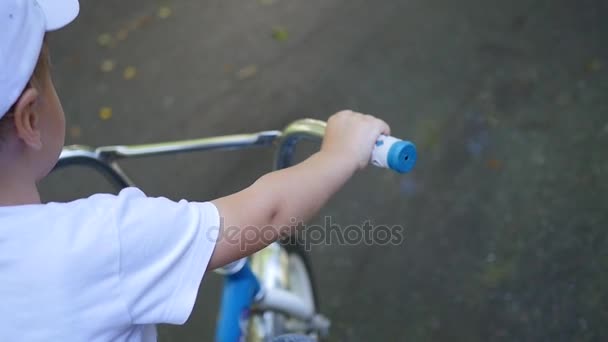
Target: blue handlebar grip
402	156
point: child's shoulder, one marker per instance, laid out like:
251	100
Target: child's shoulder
101	203
101	200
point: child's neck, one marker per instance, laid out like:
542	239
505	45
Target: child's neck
15	190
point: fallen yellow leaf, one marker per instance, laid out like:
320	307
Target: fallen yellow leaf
104	39
280	33
105	113
107	65
129	73
164	12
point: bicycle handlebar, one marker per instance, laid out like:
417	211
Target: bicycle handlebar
389	152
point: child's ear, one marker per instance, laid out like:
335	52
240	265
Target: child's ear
26	119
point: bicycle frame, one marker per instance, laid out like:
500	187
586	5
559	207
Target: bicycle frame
242	289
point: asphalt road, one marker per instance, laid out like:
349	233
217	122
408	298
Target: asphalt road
505	215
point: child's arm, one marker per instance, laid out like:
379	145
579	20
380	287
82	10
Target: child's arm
256	216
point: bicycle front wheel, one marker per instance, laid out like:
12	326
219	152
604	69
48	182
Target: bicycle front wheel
285	266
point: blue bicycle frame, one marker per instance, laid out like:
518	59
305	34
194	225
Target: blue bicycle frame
240	290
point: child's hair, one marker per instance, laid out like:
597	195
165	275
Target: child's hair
36	81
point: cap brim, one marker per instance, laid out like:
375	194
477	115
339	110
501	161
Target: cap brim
59	13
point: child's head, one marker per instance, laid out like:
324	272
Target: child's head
32	123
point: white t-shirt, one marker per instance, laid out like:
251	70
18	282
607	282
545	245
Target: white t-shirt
106	268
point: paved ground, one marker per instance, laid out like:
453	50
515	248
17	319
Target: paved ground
505	216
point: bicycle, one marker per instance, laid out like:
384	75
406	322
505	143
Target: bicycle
271	292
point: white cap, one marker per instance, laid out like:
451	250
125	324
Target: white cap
23	24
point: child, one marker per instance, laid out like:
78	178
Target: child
108	268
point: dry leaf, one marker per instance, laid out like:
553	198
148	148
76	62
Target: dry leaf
247	72
105	113
164	12
129	73
107	65
229	68
75	132
280	34
141	22
104	40
494	164
122	34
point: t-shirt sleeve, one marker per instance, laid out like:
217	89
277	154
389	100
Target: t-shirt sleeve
165	247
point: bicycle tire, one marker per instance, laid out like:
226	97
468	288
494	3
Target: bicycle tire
263	326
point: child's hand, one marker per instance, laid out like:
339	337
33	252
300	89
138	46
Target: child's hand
351	137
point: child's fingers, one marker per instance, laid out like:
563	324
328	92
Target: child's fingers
380	125
384	127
